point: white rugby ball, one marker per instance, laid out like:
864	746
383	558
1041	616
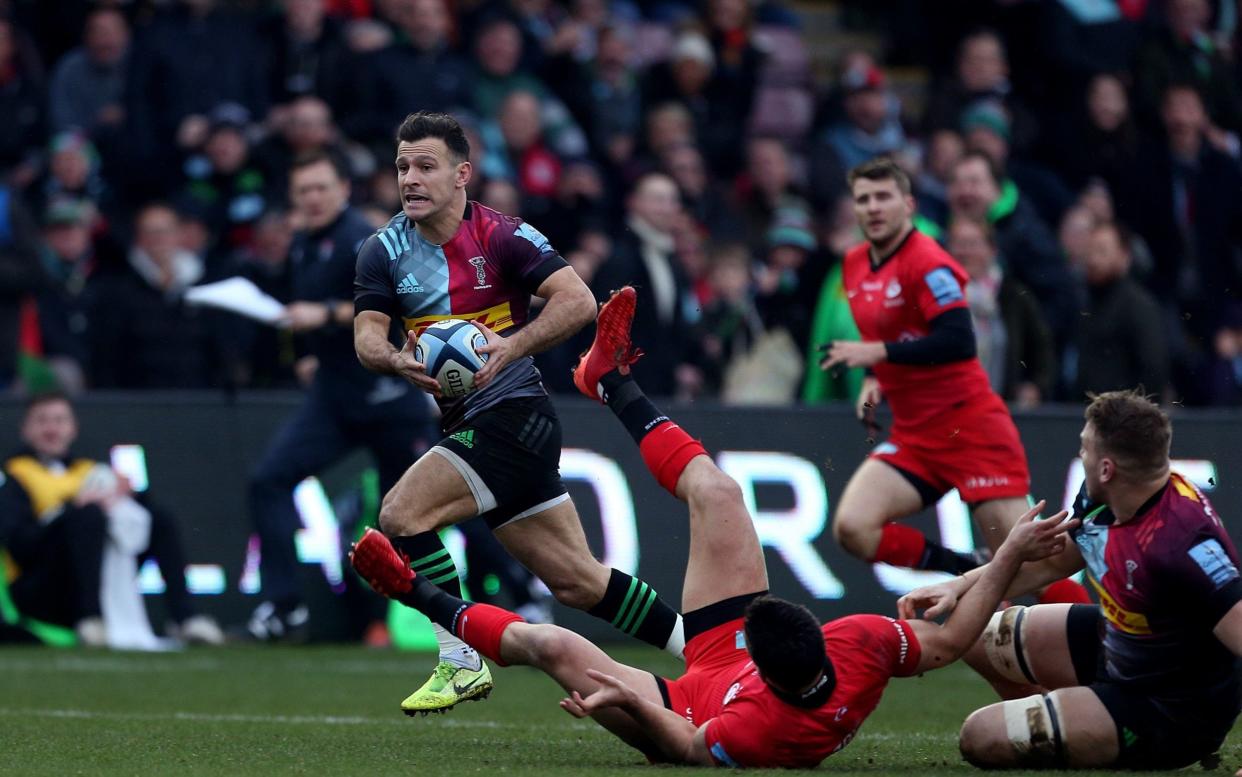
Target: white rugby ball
449	350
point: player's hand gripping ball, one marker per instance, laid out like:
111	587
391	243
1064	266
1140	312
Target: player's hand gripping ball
449	351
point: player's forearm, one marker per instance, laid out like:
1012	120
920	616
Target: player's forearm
671	733
564	314
374	351
979	602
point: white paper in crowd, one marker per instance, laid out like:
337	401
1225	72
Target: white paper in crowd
238	295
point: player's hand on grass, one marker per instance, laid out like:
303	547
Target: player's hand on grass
851	353
1032	540
612	693
405	365
499	351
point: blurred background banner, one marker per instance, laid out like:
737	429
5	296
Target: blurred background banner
196	450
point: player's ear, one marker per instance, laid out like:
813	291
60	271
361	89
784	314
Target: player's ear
465	171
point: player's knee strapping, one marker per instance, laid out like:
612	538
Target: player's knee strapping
1005	648
666	451
1033	726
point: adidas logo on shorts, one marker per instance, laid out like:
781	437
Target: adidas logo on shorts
408	285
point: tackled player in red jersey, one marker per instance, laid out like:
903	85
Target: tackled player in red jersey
1149	678
950	430
765	683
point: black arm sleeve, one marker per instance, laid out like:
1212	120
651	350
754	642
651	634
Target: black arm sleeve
951	339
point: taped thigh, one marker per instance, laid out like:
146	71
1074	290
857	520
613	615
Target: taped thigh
1005	648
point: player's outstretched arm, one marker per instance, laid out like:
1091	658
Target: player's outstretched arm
570	306
679	740
939	599
1030	540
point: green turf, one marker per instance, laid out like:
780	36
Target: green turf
333	711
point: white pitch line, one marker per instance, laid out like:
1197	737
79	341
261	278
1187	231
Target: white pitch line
320	720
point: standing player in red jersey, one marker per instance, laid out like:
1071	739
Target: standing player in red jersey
1149	678
765	683
950	430
446	257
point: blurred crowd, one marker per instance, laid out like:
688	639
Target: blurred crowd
1080	159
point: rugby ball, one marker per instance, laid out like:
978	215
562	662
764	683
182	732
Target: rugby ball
449	351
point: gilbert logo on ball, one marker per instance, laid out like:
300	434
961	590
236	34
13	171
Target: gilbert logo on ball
449	351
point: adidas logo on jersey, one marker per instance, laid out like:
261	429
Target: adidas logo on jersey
408	285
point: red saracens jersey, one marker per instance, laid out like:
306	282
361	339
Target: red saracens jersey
896	302
747	725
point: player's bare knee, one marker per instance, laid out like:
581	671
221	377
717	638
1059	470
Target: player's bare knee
982	740
575	593
715	492
858	537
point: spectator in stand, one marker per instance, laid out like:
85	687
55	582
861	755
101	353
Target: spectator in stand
419	70
1189	212
501	195
304	127
603	93
73	172
22	106
309	55
581	202
931	186
871	125
225	181
769	186
20	275
1074	236
1226	370
730	29
69	259
192	57
1014	344
1030	253
1121	343
142	335
1103	141
88	85
1183	52
787	282
982	74
700	195
667	126
731	324
643	257
986	128
536	169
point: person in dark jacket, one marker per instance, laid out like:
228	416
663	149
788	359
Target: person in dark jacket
1121	340
1013	342
19	275
346	406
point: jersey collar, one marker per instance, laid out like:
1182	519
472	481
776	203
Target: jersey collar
871	257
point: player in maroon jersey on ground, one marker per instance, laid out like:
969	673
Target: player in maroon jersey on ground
950	430
445	257
765	683
1149	678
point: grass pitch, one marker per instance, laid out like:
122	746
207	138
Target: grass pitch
333	711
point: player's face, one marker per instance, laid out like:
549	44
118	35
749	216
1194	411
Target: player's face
1092	464
429	177
318	194
50	428
882	210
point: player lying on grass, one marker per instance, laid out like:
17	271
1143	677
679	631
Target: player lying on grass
765	683
1146	680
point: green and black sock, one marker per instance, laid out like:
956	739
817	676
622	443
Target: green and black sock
634	607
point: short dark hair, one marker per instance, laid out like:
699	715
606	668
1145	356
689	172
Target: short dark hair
311	158
1131	429
426	124
44	398
994	170
881	168
785	642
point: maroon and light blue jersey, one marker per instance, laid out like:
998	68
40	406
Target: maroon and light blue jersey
1164	578
486	272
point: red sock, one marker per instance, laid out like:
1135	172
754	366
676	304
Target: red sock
666	450
1064	592
900	545
481	627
